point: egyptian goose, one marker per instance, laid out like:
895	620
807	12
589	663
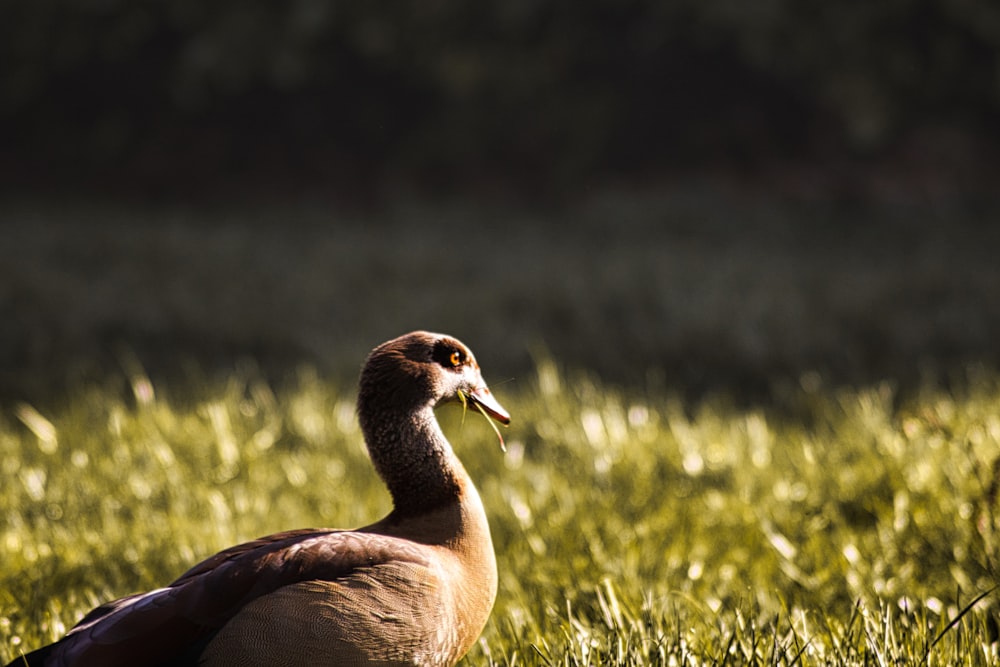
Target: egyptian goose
415	588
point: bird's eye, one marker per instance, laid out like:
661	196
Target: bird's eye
450	355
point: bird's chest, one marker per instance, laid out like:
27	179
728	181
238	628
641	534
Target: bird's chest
391	615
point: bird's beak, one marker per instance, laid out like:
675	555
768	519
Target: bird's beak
483	398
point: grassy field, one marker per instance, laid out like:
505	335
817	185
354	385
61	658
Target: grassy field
707	286
839	526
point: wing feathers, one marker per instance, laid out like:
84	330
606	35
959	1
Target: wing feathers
139	628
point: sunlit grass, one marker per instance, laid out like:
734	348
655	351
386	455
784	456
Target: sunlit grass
632	528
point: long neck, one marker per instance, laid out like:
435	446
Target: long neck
413	457
435	501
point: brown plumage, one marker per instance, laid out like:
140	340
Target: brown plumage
415	588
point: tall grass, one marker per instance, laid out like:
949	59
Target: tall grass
850	526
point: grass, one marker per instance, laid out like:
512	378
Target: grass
835	526
706	283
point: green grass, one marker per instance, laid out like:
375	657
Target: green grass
632	528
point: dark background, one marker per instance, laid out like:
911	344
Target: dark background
175	94
720	194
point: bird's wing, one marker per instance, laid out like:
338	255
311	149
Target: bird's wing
146	628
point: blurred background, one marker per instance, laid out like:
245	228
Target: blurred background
701	195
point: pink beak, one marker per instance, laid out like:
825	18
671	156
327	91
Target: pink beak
484	398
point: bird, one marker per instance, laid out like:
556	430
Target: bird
414	588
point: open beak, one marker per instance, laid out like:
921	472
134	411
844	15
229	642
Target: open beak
484	399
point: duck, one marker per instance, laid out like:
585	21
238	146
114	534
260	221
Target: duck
414	588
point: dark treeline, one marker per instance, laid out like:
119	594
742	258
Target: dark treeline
449	91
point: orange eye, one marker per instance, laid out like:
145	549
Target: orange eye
455	358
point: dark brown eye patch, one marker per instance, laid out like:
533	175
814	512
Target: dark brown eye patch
448	355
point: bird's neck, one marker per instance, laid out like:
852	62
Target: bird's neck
434	503
413	457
